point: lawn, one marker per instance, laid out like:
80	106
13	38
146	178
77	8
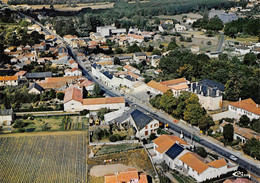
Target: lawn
116	148
43	157
54	122
239	39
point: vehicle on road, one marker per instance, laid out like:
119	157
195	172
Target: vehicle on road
234	158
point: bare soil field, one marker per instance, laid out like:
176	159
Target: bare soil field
107	169
43	157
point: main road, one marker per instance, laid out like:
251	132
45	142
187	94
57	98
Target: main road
245	163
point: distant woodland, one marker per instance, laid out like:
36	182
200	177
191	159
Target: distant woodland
69	2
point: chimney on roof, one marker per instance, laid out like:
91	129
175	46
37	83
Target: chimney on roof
257	105
240	99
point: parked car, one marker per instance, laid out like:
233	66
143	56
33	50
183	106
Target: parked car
234	158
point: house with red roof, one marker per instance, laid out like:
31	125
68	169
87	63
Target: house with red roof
73	72
245	107
131	175
74	101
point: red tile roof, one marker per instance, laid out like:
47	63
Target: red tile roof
248	105
158	86
73	93
8	78
218	163
126	176
107	100
21	73
174	81
194	162
165	142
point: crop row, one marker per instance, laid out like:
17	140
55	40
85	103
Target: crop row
60	158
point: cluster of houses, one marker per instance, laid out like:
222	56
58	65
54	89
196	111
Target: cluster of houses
244	48
175	152
235	110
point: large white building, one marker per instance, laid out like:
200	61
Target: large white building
209	93
143	124
9	80
73	101
245	107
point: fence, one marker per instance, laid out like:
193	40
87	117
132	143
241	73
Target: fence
113	143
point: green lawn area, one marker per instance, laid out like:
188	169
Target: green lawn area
239	39
107	149
77	122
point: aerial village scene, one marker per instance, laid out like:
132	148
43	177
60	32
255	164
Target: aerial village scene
129	91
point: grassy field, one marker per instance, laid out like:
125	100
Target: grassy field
44	157
64	7
76	123
239	39
116	148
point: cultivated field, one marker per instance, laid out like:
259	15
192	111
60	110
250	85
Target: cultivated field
43	157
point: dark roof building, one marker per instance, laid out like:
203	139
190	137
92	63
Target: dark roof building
38	75
139	54
37	87
174	151
141	120
207	87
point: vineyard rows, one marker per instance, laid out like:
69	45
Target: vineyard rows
52	158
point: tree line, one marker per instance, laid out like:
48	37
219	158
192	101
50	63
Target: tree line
186	107
240	79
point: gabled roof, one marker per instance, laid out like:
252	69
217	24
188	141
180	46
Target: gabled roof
141	120
36	86
158	86
174	81
218	163
212	84
139	54
126	176
194	162
8	78
174	151
38	75
248	105
165	142
21	73
73	93
107	100
180	86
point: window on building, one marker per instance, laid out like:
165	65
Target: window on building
146	127
151	126
146	132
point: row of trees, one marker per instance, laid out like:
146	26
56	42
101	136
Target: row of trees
214	24
240	79
186	107
247	26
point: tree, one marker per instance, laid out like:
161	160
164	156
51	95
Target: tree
117	61
97	90
172	45
156	52
60	95
152	136
24	23
201	151
193	114
205	123
119	50
244	121
251	148
157	21
228	132
250	59
255	125
134	48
